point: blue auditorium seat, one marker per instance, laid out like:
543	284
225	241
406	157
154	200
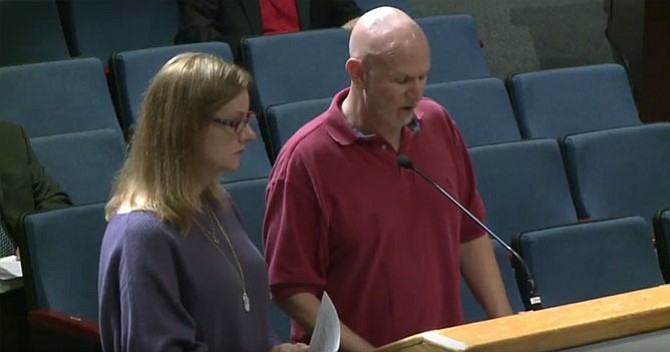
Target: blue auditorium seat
455	50
589	260
60	266
480	107
99	28
57	97
285	119
287	68
662	236
133	70
83	163
553	103
619	172
249	197
30	31
472	311
523	186
255	162
366	5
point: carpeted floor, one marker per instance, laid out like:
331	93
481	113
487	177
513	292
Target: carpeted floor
529	35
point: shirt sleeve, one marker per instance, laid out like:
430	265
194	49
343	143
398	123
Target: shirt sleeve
152	315
294	232
47	194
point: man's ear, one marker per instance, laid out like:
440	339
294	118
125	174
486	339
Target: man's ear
354	68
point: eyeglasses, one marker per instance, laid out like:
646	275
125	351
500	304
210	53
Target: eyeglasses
239	124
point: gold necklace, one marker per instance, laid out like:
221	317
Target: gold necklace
246	302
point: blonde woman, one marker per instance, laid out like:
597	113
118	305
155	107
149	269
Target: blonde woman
177	269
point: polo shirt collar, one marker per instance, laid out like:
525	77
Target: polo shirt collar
342	132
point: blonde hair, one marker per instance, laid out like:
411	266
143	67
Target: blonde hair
160	173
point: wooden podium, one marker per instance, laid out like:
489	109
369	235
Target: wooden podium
552	329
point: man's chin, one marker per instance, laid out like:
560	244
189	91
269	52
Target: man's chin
406	115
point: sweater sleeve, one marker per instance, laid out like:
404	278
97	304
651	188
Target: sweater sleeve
152	317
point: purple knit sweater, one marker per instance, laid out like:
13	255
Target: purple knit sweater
161	291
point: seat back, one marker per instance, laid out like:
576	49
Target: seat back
133	70
249	197
619	172
454	48
30	31
57	97
480	107
83	163
553	103
296	66
662	236
472	311
285	119
255	162
61	259
523	186
99	28
367	5
584	261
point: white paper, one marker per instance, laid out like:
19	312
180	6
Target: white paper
326	334
451	344
10	268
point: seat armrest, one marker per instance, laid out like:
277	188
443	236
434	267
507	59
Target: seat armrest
53	320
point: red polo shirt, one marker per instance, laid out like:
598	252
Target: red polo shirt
344	218
279	16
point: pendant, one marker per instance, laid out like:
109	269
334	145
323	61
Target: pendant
246	302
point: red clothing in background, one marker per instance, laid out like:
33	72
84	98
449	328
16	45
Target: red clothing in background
279	16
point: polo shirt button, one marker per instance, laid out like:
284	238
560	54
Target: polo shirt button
384	146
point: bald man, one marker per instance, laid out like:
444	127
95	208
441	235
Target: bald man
344	218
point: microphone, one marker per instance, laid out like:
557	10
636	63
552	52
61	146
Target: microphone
533	296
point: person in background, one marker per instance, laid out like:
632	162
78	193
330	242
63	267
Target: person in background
343	217
177	269
24	185
231	20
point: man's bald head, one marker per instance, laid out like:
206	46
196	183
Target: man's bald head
384	31
388	66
